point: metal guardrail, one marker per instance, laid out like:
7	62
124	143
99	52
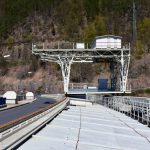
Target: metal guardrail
15	125
72	45
73	86
136	107
82	85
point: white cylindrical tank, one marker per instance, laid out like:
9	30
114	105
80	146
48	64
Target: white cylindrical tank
11	97
29	96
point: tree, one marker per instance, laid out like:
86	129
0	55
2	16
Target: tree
3	66
95	28
144	32
89	33
100	25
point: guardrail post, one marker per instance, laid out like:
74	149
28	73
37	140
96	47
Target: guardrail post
123	105
130	108
148	115
138	114
118	105
113	103
108	102
134	109
142	114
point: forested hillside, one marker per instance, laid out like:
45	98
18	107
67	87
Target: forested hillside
23	22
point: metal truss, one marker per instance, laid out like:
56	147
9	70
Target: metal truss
124	61
66	57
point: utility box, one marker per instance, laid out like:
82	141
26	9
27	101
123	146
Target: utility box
107	42
80	45
102	84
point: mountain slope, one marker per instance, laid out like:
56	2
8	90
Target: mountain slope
23	22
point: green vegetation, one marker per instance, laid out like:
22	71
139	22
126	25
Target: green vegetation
139	49
3	66
147	91
75	20
144	33
139	92
10	42
3	62
85	17
96	28
14	11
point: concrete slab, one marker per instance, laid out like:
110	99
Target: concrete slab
91	128
41	143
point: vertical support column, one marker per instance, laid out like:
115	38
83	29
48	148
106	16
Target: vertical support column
65	64
125	60
123	88
147	109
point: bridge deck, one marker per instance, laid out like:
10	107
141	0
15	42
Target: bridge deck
91	128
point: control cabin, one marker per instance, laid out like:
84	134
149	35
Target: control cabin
107	42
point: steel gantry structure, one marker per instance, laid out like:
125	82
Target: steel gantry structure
66	56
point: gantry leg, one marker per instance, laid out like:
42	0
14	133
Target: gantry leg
65	64
125	60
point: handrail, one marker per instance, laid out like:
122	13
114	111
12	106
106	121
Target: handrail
72	45
135	107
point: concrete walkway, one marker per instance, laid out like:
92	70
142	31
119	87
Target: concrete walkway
91	128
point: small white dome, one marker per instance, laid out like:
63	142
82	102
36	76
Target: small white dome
29	94
10	95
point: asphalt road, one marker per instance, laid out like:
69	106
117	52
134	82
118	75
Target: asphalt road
17	112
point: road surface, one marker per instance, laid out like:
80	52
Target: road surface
17	112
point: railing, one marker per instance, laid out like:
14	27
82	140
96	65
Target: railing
135	107
82	85
94	86
72	45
